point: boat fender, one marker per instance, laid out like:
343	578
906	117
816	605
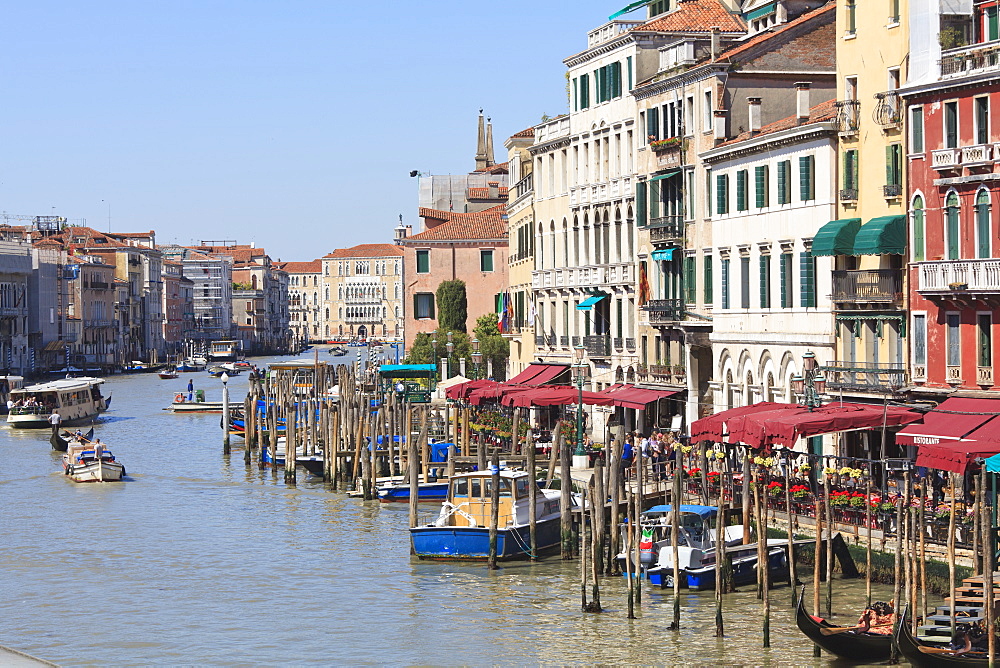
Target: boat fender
123	472
178	398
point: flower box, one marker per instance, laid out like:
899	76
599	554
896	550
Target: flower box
666	144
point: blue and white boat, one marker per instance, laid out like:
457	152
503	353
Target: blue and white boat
400	492
462	531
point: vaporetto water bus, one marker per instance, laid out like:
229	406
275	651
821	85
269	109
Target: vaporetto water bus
77	400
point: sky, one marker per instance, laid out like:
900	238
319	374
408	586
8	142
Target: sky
292	124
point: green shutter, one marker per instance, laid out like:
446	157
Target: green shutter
486	260
765	281
918	233
576	96
892	165
807	279
584	91
721	194
784	167
982	105
741	190
655	196
760	177
690	295
992	24
982	226
640	203
707	278
786	280
724	279
423	262
628	67
807	189
851	169
917	129
653	122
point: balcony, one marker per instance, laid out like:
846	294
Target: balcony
872	377
979	155
868	286
849	195
619	343
887	111
970	59
98	285
564	342
630	344
664	311
598	345
587	276
848	113
666	229
524	186
984	376
953	374
959	277
892	190
666	373
94	324
946	158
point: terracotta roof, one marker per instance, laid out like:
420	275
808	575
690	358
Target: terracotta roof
310	267
823	111
695	16
367	250
743	47
90	237
529	132
488	224
484	193
498	168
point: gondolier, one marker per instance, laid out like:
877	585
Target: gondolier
54	420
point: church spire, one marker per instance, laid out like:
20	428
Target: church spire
481	155
490	161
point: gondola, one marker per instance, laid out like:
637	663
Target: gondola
910	648
850	645
59	444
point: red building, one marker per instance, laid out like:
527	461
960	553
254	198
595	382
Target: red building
953	183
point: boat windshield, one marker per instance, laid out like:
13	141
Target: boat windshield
479	487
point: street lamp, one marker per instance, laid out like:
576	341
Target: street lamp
451	347
225	413
811	384
477	356
580	373
434	353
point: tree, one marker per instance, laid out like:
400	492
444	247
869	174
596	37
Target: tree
453	306
432	347
491	344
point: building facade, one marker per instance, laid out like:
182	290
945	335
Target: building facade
362	292
304	307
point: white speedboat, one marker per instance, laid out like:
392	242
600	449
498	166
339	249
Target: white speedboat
91	462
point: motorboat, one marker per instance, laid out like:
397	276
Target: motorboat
697	566
76	400
91	462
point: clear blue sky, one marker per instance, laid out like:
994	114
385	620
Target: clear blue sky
290	123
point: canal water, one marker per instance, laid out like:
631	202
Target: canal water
197	559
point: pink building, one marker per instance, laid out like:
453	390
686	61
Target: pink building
467	246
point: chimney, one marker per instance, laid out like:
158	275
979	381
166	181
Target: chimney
715	42
490	161
481	144
494	189
719	124
802	101
754	114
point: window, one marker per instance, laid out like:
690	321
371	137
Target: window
765	281
708	192
576	95
423	262
628	68
983	224
784	177
851	173
954	351
893	169
486	260
991	25
742	176
423	306
706	112
707	278
585	91
916	129
722	193
744	282
761	182
918	228
690	295
785	271
951	225
807	178
951	124
919	340
724	279
640	203
893	11
982	118
851	22
984	325
608	82
807	279
653	123
689	209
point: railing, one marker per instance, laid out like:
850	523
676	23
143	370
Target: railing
598	345
564	341
984	375
665	310
959	276
98	323
848	112
868	285
977	155
575	340
888	110
892	190
918	371
630	344
98	285
970	59
849	194
524	186
874	377
953	373
946	158
666	228
619	343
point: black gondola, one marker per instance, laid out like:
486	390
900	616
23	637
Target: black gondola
59	444
910	648
851	645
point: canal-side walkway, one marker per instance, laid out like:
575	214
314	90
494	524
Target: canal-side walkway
12	658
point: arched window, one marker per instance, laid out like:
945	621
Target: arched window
983	224
327	314
918	229
951	211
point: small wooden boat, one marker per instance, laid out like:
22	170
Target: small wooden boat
400	492
338	351
169	374
91	462
850	645
926	655
59	443
193	364
184	406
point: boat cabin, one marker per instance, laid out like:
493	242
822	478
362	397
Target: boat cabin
75	399
471	495
7	384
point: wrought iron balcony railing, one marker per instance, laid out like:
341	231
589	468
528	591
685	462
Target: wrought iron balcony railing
665	310
888	109
868	286
848	113
597	345
873	377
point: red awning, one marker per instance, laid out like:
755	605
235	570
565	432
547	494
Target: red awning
462	390
786	429
941	426
630	396
711	427
955	456
494	392
538	374
554	395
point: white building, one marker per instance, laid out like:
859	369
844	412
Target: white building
774	188
305	287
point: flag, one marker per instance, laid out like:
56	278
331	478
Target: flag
531	313
509	313
501	312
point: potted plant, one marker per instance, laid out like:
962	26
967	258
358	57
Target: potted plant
665	144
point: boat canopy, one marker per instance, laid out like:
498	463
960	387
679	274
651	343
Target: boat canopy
702	511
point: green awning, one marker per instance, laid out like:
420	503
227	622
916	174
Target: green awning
588	303
665	176
761	11
836	237
632	7
659	255
885	235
